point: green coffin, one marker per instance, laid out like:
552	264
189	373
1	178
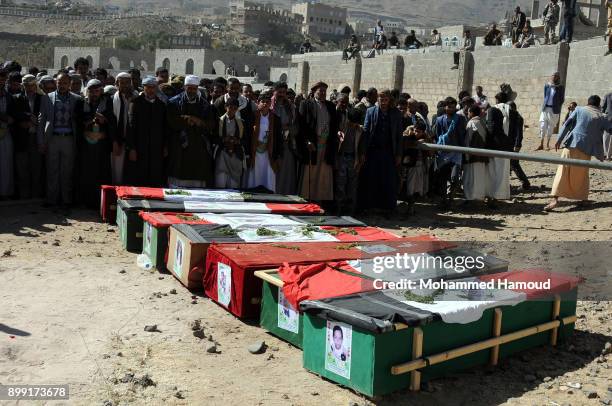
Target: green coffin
290	326
154	244
374	354
130	229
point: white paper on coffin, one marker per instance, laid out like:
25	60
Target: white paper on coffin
216	207
462	306
248	220
171	195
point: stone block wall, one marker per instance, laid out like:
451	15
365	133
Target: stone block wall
526	70
178	60
429	78
70	54
589	72
329	68
382	72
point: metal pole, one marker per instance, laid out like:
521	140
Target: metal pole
517	156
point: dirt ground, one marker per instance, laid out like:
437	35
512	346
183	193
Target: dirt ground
74	306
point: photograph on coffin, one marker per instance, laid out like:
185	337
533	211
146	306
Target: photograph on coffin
295	283
398	334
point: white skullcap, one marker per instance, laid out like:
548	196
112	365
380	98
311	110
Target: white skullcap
192	80
124	75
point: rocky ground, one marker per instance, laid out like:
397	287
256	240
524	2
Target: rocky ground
76	309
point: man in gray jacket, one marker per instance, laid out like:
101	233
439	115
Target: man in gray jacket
551	19
57	137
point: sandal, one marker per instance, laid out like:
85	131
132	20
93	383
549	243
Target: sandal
551	206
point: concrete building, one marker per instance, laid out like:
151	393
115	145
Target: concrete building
360	27
178	61
204	62
190	41
258	19
108	58
322	20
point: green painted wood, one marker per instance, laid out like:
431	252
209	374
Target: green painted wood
375	354
269	317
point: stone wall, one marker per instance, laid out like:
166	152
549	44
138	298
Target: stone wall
429	78
124	59
243	63
328	67
526	70
70	54
382	72
589	72
207	60
176	60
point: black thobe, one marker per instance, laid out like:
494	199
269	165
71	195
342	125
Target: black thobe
147	136
92	160
378	178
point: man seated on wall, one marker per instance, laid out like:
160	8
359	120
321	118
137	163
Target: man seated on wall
352	50
494	37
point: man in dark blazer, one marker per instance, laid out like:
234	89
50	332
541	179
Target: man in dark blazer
56	135
380	155
28	159
318	144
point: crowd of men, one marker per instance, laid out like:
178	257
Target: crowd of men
63	136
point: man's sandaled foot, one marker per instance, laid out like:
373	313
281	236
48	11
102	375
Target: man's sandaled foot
540	148
551	206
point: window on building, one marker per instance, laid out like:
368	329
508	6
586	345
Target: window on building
189	67
311	19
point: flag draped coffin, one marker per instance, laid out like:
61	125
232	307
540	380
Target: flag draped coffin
201	195
229	274
131	224
156	224
285	288
356	340
188	244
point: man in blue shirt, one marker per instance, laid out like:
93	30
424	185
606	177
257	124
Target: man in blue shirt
450	129
554	96
581	137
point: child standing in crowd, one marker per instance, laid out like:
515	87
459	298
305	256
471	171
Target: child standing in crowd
475	173
346	171
229	159
414	177
267	132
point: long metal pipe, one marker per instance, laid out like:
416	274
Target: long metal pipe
518	156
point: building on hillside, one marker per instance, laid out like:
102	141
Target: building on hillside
190	41
391	26
257	19
322	20
360	27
